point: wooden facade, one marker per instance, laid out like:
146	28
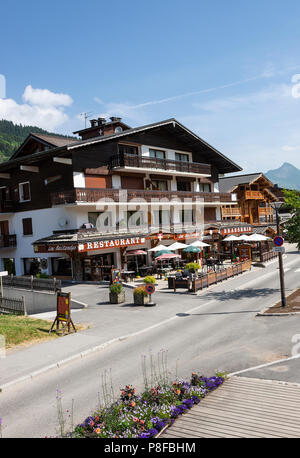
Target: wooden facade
254	202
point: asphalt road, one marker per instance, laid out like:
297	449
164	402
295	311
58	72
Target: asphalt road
217	330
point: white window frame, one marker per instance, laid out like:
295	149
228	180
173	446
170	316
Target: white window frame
21	192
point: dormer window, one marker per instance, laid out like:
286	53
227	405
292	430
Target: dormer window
24	191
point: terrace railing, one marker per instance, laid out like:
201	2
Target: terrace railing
8	240
93	195
145	162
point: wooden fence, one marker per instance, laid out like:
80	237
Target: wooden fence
12	306
32	283
211	278
267	256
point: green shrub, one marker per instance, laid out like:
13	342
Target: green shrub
149	280
42	275
192	266
140	291
116	288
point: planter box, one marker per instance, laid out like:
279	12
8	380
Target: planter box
139	299
115	298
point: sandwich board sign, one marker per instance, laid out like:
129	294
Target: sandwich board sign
63	313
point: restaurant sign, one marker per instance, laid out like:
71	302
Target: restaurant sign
236	230
114	243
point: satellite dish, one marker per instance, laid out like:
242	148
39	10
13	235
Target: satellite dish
63	222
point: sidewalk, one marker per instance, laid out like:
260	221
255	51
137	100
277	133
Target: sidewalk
111	323
243	407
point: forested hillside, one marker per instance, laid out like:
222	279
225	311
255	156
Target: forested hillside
12	135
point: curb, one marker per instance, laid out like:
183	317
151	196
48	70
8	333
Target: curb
262	312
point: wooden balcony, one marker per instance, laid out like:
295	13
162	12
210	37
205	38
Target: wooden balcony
9	240
6	206
230	212
93	195
123	160
265	211
257	195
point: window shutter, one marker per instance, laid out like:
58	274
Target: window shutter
27	226
15	195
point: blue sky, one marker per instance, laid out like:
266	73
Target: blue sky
224	69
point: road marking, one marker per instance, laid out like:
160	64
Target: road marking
297	270
261	366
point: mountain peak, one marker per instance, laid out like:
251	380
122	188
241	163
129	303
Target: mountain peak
286	176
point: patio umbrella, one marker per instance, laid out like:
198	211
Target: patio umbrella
258	238
159	253
191	249
158	248
245	238
199	243
231	238
167	256
176	246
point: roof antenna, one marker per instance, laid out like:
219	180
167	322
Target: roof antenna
86	115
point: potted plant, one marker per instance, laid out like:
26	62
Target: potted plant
116	293
149	280
193	267
140	296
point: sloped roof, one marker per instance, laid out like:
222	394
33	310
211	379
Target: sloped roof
210	154
56	140
53	141
227	184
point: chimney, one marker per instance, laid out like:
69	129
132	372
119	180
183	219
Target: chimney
114	118
101	121
93	122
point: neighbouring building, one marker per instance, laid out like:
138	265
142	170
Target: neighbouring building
254	193
64	201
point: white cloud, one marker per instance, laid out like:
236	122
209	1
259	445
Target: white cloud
43	109
46	98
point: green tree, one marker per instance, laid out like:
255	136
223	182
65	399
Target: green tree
292	199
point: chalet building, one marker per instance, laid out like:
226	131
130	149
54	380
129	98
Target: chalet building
254	194
64	201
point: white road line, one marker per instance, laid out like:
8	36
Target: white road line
264	365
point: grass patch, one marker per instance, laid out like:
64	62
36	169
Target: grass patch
19	330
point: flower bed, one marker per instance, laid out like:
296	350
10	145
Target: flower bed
145	415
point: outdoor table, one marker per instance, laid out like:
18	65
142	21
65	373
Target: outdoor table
128	273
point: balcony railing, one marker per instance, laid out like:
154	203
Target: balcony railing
265	211
133	160
93	195
6	206
8	240
231	212
254	195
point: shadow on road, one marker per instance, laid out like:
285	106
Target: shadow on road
223	296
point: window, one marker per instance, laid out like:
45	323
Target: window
100	220
128	149
205	187
27	226
182	157
159	185
183	186
158	154
24	191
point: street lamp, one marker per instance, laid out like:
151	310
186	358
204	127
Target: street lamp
276	206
